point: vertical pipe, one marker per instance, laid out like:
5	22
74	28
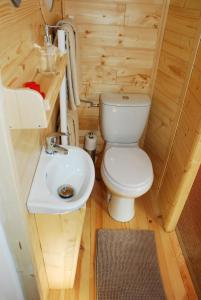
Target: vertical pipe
63	92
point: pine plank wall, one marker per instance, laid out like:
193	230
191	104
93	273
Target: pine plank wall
185	158
118	49
179	46
20	28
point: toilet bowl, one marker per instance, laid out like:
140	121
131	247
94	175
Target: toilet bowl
126	169
127	173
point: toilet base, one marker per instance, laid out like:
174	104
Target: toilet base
121	209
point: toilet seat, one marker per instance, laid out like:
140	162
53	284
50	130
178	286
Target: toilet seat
128	167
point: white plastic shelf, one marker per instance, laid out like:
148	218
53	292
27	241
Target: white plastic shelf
26	108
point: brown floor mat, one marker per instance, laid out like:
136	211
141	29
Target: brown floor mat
127	266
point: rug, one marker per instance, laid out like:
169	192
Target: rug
127	266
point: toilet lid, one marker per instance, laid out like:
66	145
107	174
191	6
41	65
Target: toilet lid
128	166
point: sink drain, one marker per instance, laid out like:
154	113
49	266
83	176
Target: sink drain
65	191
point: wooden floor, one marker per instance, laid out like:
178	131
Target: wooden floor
175	276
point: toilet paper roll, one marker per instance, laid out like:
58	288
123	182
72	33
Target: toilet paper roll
90	141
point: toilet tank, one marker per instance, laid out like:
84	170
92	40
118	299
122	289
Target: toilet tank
123	117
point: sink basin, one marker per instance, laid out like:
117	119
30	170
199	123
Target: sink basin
75	169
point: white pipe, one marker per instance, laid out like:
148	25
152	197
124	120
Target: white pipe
63	92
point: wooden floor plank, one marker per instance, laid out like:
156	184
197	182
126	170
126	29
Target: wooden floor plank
175	275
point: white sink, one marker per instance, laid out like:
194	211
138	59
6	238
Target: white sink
75	169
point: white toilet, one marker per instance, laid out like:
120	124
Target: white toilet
126	169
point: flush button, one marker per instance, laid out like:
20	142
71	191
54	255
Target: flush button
124	97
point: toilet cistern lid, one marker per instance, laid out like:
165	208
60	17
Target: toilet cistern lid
125	99
128	166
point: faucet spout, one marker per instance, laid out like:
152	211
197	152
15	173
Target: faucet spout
59	149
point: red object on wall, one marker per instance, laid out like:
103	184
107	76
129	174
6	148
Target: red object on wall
34	86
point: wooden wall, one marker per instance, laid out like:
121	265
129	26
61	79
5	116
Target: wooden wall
185	157
189	232
179	45
118	47
60	237
19	29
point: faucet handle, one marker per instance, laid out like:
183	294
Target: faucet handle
52	139
53	136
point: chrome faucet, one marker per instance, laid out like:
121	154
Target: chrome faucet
52	146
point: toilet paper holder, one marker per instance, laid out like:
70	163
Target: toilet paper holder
90	143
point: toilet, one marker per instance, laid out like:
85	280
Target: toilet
125	169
